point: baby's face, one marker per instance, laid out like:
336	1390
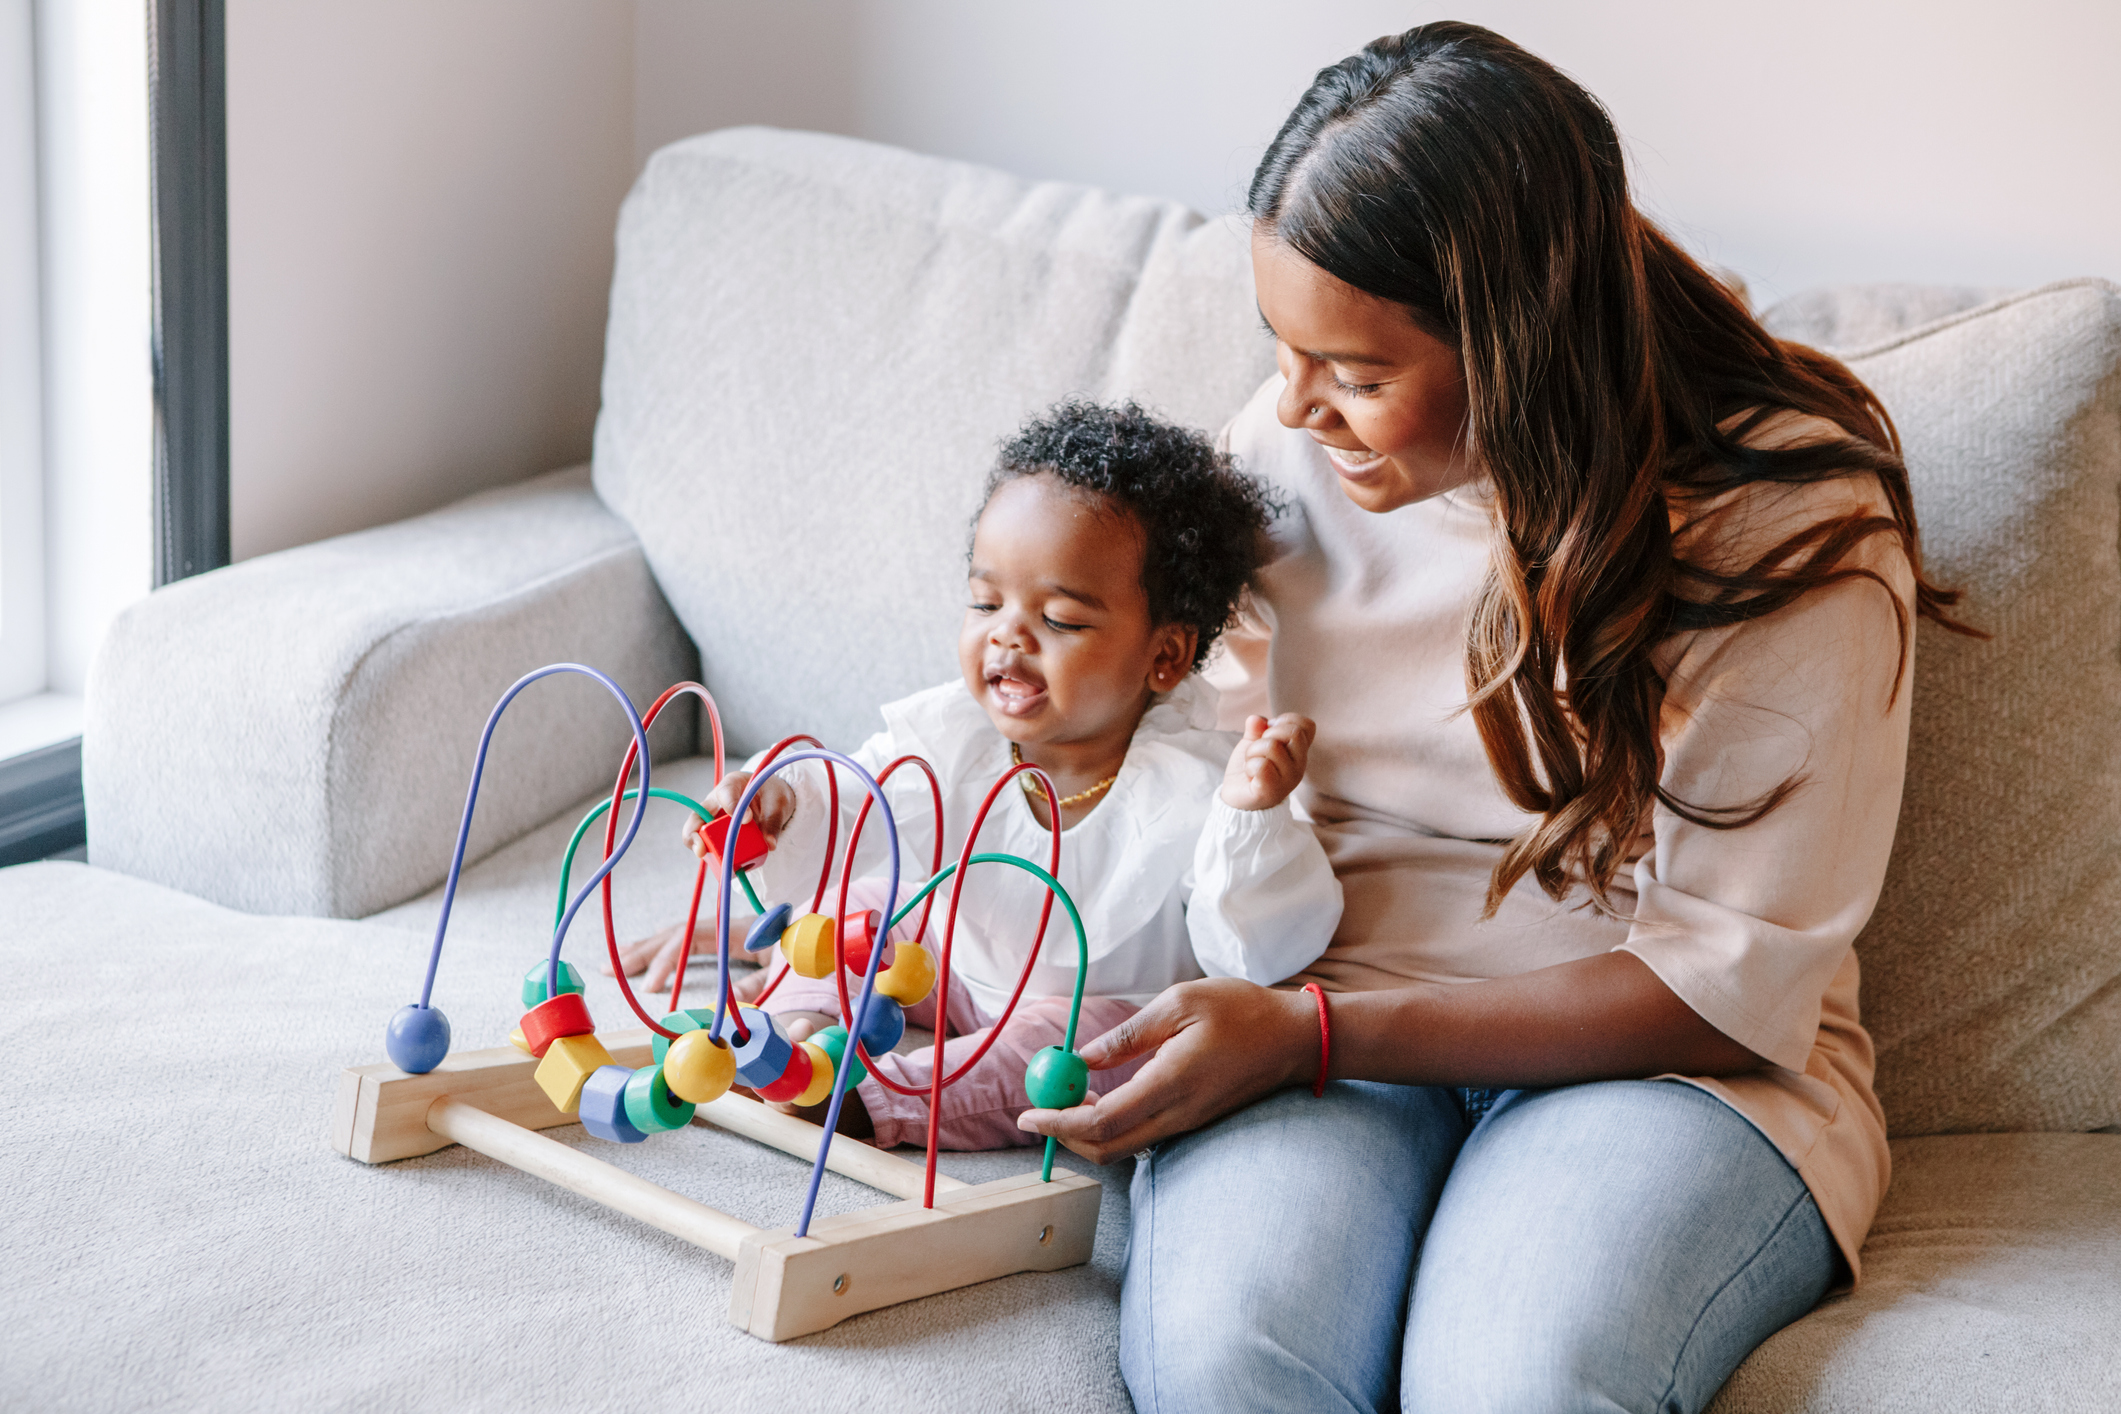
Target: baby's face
1057	644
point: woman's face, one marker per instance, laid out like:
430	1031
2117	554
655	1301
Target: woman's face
1386	400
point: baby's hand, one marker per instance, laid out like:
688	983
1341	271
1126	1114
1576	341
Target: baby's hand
773	807
1269	762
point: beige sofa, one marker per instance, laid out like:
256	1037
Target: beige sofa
814	346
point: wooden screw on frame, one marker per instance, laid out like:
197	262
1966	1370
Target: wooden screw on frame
785	1285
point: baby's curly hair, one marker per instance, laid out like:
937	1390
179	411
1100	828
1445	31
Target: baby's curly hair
1203	521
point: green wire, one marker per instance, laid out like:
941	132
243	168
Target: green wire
1082	943
1082	950
656	793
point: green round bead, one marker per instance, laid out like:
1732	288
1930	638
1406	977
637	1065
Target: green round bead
833	1042
534	984
692	1018
650	1107
1056	1079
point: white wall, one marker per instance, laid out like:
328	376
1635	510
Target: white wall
422	191
1963	141
421	199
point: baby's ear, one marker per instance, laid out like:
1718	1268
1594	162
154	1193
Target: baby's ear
1175	645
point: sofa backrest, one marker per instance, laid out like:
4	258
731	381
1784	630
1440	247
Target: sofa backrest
816	346
817	343
1992	967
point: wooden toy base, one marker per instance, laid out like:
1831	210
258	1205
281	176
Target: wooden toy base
785	1285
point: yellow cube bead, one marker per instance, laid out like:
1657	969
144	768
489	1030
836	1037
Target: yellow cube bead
699	1069
910	977
820	1076
568	1064
808	945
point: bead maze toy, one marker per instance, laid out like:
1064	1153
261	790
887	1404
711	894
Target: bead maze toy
687	1064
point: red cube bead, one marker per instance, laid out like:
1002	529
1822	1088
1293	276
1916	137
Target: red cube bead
750	841
564	1015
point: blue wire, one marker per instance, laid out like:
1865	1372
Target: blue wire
471	800
876	952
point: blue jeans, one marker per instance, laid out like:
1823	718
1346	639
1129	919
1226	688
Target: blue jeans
1620	1245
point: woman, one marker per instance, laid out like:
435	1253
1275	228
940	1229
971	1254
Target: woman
1602	600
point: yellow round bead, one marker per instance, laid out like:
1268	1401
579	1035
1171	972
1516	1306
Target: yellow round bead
808	945
820	1076
698	1069
910	977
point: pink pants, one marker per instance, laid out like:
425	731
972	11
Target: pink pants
980	1110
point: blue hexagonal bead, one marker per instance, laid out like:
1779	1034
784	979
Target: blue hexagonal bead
603	1105
418	1038
763	1058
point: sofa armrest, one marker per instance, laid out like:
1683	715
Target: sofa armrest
294	734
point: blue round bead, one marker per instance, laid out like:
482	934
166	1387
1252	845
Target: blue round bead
884	1026
767	931
602	1108
534	983
418	1038
1056	1079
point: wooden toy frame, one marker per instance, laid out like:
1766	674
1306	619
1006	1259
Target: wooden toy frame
785	1285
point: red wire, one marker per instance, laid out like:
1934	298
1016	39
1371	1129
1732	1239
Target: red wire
942	972
1325	1037
611	834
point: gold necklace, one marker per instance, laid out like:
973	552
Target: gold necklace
1032	788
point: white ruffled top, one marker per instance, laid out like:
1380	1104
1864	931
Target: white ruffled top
1172	883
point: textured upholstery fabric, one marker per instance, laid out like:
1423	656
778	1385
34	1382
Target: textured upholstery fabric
1992	967
1992	1285
181	1236
294	734
816	345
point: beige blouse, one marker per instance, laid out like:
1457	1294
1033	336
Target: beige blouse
1361	625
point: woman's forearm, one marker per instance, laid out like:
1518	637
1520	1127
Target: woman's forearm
1599	1018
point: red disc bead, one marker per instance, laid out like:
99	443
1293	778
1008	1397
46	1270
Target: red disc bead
564	1015
863	929
794	1080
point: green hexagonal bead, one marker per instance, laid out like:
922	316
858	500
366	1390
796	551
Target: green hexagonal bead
650	1107
1056	1079
692	1018
833	1042
534	983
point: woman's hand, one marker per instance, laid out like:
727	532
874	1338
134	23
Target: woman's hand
1269	762
1223	1044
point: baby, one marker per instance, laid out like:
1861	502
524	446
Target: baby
1107	557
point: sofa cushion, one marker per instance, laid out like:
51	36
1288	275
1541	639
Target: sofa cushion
1992	1282
181	1235
1992	968
816	345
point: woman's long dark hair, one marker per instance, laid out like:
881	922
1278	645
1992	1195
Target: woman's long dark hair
1611	384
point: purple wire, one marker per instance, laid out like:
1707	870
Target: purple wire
841	1071
471	800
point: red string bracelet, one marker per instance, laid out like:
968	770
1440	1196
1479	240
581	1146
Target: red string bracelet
1325	1038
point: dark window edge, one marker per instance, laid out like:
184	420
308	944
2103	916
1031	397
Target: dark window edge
41	811
188	157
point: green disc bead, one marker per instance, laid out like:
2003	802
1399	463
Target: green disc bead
650	1107
692	1018
833	1042
534	984
1056	1079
